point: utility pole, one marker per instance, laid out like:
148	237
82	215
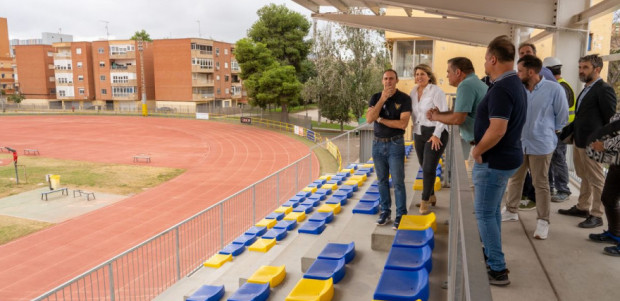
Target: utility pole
199	33
107	32
141	50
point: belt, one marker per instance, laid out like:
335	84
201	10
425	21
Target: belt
389	139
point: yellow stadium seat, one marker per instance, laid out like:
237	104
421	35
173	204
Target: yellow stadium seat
309	189
312	290
262	245
325	177
408	143
357	182
363	177
418	222
368	165
218	260
295	216
268	274
285	210
330	186
418	184
349	170
269	223
437	184
335	208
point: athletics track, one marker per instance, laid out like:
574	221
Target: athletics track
220	159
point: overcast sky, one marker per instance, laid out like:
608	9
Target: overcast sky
223	20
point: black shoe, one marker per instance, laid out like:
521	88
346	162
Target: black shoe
591	222
612	251
384	218
604	237
396	222
498	278
573	211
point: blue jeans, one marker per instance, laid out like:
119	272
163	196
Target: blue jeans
490	185
389	158
558	171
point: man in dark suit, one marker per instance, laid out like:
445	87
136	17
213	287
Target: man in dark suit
595	106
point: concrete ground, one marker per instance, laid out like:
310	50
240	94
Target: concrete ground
57	208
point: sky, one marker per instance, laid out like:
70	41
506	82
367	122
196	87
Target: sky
86	20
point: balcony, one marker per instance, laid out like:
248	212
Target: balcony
129	96
202	83
126	83
202	53
202	69
123	55
203	96
62	55
67	84
122	68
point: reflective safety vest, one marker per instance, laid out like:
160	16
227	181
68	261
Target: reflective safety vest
570	97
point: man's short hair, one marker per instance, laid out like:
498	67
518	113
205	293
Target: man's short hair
462	63
502	48
531	62
391	70
528	44
594	59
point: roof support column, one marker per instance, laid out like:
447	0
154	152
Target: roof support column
569	46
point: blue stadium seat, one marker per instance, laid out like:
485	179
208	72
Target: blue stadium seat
323	269
409	259
375	183
207	293
399	285
366	207
336	251
370	198
339	178
343	174
258	231
278	234
312	227
337	182
245	239
297	198
314	202
251	291
414	239
369	170
326	217
303	208
323	192
361	173
336	200
316	198
342	193
348	188
320	182
275	215
303	194
373	190
233	249
286	224
290	203
314	184
352	166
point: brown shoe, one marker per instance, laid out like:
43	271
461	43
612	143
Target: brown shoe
433	200
424	208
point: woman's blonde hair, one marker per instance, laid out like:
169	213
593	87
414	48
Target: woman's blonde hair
427	69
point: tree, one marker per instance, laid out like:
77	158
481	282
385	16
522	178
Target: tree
282	31
141	35
16	98
279	85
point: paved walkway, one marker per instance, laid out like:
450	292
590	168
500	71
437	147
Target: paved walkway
220	159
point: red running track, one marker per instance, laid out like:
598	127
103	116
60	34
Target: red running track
220	159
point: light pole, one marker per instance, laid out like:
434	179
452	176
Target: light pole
141	50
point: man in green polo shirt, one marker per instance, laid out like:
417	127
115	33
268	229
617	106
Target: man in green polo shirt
469	92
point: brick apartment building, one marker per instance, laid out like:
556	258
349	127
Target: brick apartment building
75	85
36	70
7	75
196	74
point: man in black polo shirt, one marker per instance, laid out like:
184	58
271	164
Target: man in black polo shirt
390	110
497	154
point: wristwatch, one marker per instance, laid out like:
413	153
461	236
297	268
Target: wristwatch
379	119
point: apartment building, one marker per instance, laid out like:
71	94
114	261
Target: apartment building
36	71
118	75
75	87
196	74
7	75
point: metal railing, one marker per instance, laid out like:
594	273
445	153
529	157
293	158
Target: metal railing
467	274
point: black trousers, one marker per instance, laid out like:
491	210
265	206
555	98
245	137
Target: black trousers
428	158
611	199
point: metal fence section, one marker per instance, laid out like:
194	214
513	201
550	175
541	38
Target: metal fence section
467	274
146	270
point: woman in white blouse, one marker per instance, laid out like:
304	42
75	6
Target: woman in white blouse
430	137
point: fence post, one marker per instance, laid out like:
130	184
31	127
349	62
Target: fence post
111	276
348	149
296	177
178	248
254	203
221	225
278	189
310	173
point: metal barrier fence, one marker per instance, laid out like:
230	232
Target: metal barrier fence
467	274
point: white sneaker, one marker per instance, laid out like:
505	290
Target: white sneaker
542	229
510	217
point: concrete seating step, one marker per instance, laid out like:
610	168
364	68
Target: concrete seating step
207	293
251	292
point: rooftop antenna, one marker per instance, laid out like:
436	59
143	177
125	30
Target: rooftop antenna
199	33
107	32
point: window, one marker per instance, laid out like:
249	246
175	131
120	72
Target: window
217	51
2	75
203	63
204	49
102	64
226	77
49	53
121	49
123	91
101	50
408	54
227	91
61	93
234	66
79	64
102	77
120	79
226	65
236	90
219	91
217	77
104	91
225	50
62	80
217	65
52	79
81	91
78	50
80	78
